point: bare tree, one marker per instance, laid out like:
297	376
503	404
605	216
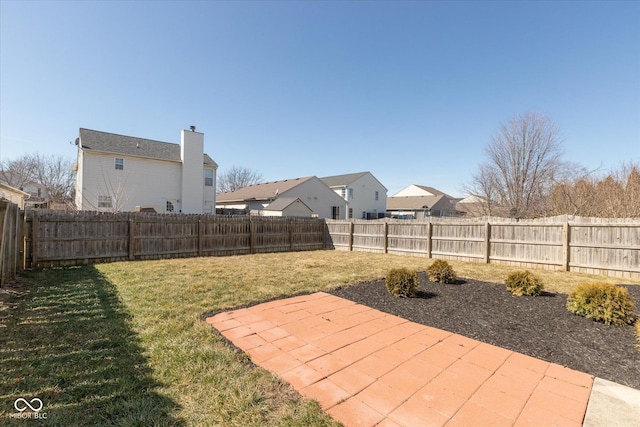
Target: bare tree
53	173
19	173
616	195
236	178
523	157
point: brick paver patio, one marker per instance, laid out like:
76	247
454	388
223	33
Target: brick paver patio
367	368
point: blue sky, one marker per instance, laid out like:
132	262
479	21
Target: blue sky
411	91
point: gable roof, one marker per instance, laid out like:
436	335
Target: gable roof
340	180
413	202
424	191
281	203
263	191
105	142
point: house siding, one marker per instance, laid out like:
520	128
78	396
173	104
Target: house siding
320	198
360	196
143	182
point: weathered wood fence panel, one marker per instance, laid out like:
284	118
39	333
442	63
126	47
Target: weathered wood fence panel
591	245
10	241
83	238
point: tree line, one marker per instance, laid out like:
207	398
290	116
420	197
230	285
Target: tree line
525	176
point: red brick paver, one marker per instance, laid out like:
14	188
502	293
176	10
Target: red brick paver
367	368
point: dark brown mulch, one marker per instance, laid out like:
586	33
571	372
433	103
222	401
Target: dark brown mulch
539	326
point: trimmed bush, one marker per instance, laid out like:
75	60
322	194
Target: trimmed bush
524	282
402	282
440	271
602	302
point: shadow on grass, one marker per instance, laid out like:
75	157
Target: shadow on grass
66	339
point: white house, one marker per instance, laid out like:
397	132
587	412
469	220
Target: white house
271	197
365	196
419	201
125	173
13	195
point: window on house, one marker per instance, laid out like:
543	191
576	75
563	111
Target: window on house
335	212
343	193
169	206
377	195
350	213
208	206
105	202
208	177
351	193
119	164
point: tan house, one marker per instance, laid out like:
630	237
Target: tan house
271	197
13	195
419	201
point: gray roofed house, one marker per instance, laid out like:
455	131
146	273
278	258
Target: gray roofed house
106	142
312	192
125	173
420	201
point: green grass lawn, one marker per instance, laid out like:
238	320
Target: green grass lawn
124	343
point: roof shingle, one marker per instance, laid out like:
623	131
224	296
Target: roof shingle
131	146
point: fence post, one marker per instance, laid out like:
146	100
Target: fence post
566	236
35	236
386	237
429	232
351	228
487	241
131	239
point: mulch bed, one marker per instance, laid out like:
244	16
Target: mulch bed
539	326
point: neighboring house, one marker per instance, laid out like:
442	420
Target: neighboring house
37	195
125	173
287	206
366	197
260	198
473	206
419	201
13	195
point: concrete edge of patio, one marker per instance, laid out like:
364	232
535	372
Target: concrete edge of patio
612	404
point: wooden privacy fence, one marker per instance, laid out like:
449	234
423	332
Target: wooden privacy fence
55	239
589	245
11	240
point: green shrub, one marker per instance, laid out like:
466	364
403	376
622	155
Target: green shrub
440	271
402	282
524	283
602	302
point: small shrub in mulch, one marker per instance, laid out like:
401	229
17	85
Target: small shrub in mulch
521	283
440	271
602	302
402	282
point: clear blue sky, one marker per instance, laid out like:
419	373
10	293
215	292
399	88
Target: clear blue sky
411	91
